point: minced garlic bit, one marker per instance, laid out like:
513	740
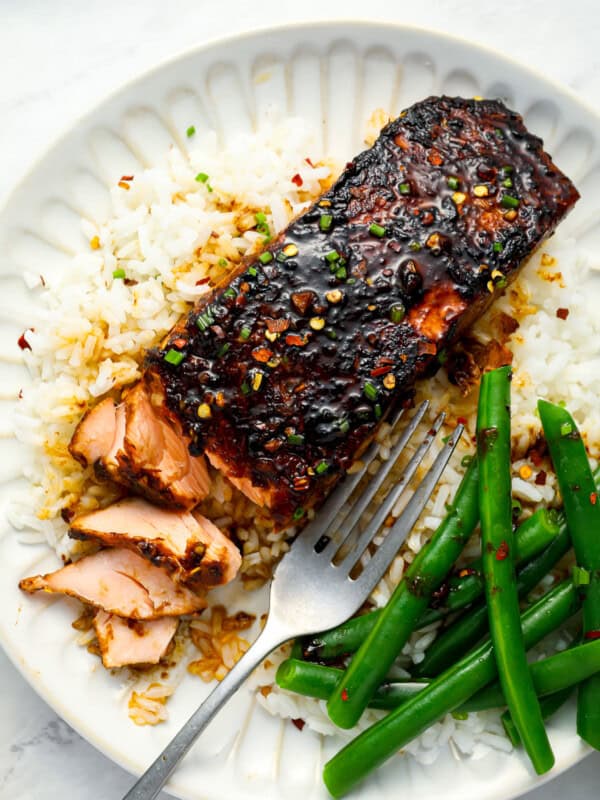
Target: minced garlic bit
497	274
271	335
317	323
481	190
334	296
525	472
459	198
290	250
389	381
257	381
510	215
204	411
95	242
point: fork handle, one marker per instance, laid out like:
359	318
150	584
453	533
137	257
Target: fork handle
157	774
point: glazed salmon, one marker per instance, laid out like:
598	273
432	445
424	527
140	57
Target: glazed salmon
283	375
125	642
120	582
190	546
135	445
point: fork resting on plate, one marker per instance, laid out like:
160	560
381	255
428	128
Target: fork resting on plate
313	587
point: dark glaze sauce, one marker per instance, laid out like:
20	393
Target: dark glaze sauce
296	378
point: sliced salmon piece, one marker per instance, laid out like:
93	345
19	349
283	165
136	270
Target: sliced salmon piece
95	433
188	544
136	445
120	582
125	642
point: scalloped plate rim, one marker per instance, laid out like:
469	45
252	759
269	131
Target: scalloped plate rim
339	28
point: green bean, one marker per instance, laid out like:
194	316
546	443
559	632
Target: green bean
316	680
549	675
445	694
401	615
497	544
548	706
531	537
468	629
582	507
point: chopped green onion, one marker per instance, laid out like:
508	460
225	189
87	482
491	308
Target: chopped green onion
508	201
230	292
499	133
497	247
414	246
265	257
442	356
295	439
397	313
222	262
260	217
332	256
331	334
245	333
566	428
502	283
581	577
190	131
376	230
341	274
460	715
205	320
378	411
281	256
119	273
453	182
507	169
507	183
202	177
404	188
223	349
252	271
465	461
298	513
517	508
344	426
322	467
245	388
174	357
325	221
351	281
370	391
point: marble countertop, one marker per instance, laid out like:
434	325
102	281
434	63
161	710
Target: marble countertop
56	59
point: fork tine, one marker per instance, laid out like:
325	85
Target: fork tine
377	566
354	514
319	527
390	500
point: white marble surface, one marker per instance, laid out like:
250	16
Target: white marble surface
57	57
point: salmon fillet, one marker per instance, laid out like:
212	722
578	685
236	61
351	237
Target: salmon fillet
119	582
190	546
283	375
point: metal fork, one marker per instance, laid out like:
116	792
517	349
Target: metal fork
311	593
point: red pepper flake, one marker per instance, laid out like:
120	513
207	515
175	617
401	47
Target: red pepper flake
375	373
295	341
502	551
202	281
309	162
435	158
277	325
592	635
297	179
179	343
593	498
540	478
562	313
461	420
126	177
345	695
299	723
262	354
22	341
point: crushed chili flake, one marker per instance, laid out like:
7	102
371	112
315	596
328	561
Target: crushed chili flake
299	723
179	342
435	158
126	177
540	478
262	354
345	695
593	498
592	635
502	551
309	162
202	281
464	573
22	341
277	325
375	373
562	313
297	179
294	340
461	420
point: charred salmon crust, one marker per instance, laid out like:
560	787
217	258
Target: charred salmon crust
288	370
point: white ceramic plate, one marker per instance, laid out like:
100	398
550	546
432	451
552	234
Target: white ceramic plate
334	75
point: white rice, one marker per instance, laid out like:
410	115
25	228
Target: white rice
168	231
